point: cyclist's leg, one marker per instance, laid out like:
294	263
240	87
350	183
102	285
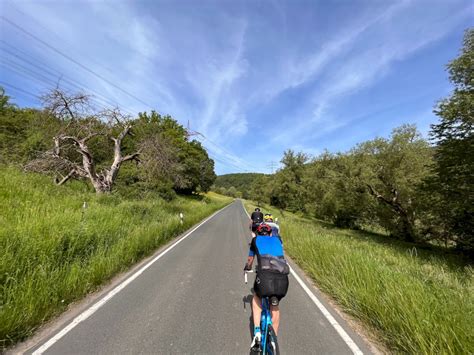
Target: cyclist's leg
281	288
275	317
256	310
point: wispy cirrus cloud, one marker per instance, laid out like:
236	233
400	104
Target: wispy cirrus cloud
221	104
370	59
255	78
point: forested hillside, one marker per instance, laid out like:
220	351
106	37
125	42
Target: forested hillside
235	185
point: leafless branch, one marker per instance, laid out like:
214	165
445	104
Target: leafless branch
66	106
82	126
133	156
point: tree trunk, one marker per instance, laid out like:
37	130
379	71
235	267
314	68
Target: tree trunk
74	111
406	217
104	181
407	228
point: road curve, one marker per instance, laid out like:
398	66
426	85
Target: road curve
192	300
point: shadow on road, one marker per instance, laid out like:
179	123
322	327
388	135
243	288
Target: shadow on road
248	307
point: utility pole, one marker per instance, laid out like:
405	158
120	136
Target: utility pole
190	133
272	165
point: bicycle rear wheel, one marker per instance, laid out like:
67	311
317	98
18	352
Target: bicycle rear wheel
272	342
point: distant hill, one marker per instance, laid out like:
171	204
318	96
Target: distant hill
241	182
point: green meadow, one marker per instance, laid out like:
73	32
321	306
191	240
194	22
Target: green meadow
414	300
59	243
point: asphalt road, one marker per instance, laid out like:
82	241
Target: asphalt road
193	300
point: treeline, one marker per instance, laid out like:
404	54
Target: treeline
418	190
235	185
69	139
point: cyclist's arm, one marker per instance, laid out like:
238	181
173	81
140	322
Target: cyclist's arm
249	262
251	255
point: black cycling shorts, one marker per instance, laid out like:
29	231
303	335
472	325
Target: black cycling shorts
271	284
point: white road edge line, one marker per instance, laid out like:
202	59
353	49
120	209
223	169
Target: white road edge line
91	310
339	329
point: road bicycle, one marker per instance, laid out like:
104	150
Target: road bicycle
268	343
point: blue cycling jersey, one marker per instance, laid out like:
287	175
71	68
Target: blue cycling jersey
266	245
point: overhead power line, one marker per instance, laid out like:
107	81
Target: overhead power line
230	158
16	55
3	83
48	83
229	164
56	75
230	155
27	72
234	161
32	19
54	49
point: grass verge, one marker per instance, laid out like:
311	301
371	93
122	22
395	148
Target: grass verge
53	251
416	301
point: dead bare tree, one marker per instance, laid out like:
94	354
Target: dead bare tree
82	126
66	106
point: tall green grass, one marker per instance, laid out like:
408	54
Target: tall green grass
53	251
416	301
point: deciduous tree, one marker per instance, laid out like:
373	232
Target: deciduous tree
453	185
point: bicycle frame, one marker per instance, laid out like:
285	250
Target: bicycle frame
265	320
265	323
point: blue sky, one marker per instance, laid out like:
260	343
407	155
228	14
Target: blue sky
254	77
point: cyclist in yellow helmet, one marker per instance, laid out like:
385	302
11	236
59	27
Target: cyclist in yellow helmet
268	219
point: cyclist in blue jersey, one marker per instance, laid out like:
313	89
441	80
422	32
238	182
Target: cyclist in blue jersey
271	279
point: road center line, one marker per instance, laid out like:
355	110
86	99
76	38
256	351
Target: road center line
339	329
91	310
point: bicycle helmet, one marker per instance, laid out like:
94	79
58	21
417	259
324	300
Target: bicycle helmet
264	229
268	217
257	209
